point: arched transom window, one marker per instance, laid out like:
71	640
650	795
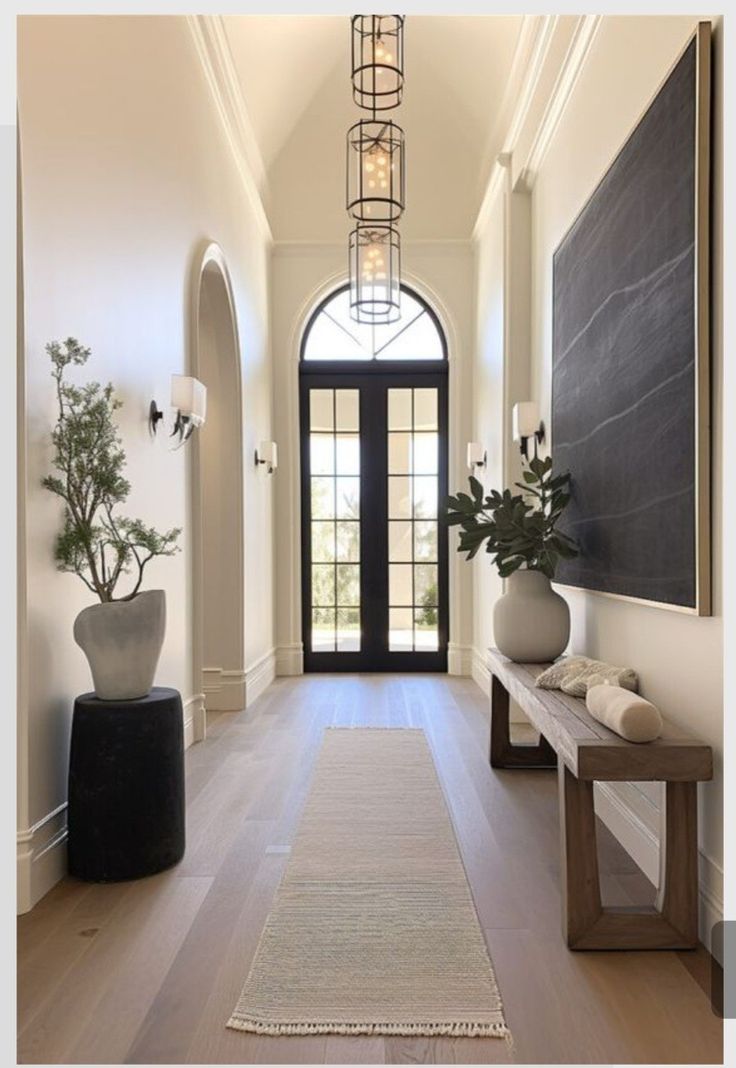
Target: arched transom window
332	335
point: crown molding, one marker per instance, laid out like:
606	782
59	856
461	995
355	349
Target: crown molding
580	46
535	51
211	44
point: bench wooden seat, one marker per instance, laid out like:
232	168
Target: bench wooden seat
585	751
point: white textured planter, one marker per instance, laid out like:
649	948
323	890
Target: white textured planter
531	623
122	641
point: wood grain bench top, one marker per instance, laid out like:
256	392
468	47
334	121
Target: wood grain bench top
590	750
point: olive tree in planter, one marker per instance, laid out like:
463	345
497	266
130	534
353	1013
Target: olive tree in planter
531	623
122	636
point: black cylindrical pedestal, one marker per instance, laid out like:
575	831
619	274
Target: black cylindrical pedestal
126	786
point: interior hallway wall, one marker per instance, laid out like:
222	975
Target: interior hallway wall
303	273
126	174
679	657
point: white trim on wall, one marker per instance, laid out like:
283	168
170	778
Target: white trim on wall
259	676
290	659
212	48
459	659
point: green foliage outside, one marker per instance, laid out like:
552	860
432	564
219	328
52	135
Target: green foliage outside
95	543
518	529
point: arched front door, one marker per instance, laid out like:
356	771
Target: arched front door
373	412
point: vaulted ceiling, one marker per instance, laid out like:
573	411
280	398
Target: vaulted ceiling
462	77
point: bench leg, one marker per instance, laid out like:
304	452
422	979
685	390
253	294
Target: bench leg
503	753
673	923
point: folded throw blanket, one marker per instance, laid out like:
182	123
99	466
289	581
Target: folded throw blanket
575	674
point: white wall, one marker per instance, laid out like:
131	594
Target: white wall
678	657
126	172
302	274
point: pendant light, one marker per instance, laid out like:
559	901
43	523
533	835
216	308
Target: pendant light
375	171
377	61
374	255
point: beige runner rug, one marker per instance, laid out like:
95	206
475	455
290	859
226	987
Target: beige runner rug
373	929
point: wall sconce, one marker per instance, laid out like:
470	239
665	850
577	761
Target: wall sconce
267	453
525	423
189	397
476	455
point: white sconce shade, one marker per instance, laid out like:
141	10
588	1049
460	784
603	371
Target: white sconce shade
525	424
525	420
476	456
267	453
189	397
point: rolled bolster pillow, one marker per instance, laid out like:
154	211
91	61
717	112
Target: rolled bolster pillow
624	712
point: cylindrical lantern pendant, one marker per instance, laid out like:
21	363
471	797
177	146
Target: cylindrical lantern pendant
375	267
375	171
377	61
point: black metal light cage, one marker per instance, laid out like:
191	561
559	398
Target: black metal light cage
375	171
374	260
377	68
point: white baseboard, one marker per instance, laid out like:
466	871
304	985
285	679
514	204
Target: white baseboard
195	719
223	689
459	659
259	676
41	858
479	671
290	659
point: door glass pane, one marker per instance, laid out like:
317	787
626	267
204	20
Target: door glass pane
426	636
425	540
347	454
322	454
347	408
348	630
347	494
400	630
323	585
399	454
348	541
399	541
399	409
323	630
348	585
323	498
321	409
323	542
400	585
399	497
425	497
334	456
425	409
413	454
425	453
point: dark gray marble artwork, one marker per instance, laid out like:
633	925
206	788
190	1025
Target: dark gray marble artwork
624	362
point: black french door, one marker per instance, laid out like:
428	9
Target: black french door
374	554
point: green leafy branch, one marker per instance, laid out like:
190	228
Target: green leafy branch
518	529
88	458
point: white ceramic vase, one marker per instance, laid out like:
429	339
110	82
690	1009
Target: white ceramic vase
122	641
531	623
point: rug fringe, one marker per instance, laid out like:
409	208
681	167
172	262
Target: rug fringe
457	1029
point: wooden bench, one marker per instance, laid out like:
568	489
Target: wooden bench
585	751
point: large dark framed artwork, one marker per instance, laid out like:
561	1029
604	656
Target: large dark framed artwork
630	357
